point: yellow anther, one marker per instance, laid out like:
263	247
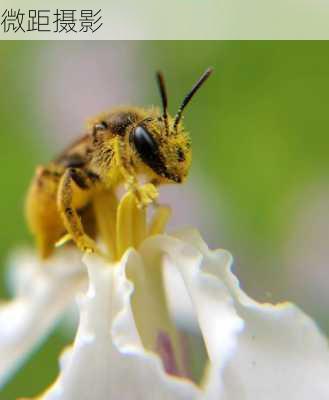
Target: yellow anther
131	224
105	209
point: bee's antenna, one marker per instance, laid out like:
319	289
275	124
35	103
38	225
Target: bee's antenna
164	98
191	93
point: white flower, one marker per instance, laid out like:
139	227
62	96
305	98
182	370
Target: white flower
127	346
42	291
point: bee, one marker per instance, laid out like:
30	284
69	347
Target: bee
118	146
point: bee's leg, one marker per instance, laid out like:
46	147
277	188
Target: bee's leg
145	194
71	179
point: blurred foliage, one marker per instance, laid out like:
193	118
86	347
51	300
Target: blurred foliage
262	130
19	152
260	134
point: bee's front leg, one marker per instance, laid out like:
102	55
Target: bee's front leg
71	179
145	194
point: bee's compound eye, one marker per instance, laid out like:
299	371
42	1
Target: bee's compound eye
102	126
145	144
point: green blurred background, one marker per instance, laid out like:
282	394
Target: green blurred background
259	182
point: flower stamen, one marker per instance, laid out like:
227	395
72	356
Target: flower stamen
159	220
132	227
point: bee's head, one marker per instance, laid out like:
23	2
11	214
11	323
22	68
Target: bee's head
166	152
161	141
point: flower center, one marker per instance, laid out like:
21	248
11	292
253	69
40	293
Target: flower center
125	225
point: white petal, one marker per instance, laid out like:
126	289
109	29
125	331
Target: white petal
182	311
256	351
107	360
280	354
213	305
42	290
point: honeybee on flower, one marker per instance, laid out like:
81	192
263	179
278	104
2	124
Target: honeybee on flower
129	343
